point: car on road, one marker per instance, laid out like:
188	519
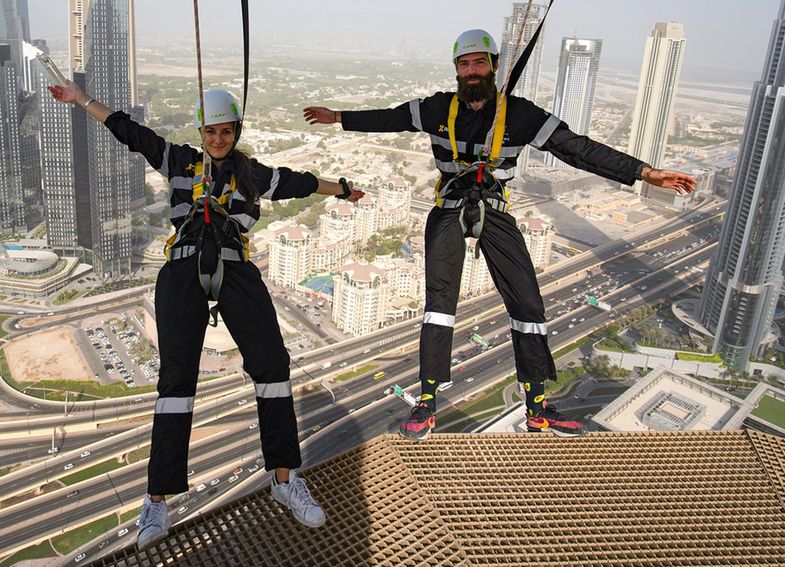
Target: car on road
316	428
182	510
470	379
242	402
570	326
476	328
254	468
191	472
103	544
79	557
215	481
68	467
233	478
72	494
343	364
253	426
238	470
201	487
84	454
122	532
53	451
366	351
554	332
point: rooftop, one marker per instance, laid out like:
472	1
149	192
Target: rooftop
610	499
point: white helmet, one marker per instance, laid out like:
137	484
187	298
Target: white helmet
220	106
474	41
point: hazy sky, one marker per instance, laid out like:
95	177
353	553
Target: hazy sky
722	34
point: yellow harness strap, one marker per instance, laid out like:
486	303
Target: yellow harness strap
498	127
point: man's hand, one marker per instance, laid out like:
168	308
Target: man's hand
321	115
682	183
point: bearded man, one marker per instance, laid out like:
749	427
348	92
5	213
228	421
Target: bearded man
472	200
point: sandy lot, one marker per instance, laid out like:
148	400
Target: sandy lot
49	355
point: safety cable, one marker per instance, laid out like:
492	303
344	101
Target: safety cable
206	162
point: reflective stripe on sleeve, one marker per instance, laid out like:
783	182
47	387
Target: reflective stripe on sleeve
164	169
274	390
273	185
174	405
414	109
441	319
529	328
545	132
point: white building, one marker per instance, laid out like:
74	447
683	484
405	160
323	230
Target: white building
659	79
289	255
364	218
576	83
394	204
538	235
360	298
476	279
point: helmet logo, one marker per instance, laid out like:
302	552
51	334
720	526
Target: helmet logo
455	47
234	109
486	40
199	114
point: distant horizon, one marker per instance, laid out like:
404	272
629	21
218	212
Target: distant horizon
715	41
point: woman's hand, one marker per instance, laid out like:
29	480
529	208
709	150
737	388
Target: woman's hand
70	93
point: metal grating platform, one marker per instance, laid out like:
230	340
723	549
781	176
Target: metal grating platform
623	499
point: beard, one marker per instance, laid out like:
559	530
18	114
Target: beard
484	90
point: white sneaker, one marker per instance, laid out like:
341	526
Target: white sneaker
296	496
154	523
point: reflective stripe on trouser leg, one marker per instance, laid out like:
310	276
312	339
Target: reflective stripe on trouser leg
181	319
512	271
249	315
445	249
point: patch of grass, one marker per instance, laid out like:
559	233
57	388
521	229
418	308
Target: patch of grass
91	472
771	409
611	345
129	515
69	541
138	455
40	551
697	357
565	377
492	398
84	390
354	373
3	319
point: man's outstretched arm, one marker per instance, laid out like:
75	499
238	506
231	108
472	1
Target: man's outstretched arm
403	118
584	153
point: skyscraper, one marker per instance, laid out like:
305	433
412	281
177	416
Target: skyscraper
659	79
509	52
56	165
745	276
106	56
11	194
14	29
576	83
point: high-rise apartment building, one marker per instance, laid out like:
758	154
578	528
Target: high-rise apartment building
651	119
538	236
289	255
576	84
509	52
360	298
106	56
475	277
745	277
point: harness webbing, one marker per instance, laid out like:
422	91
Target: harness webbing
498	127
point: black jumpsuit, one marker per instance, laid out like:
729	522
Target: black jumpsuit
181	310
501	241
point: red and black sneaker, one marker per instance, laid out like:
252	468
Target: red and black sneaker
551	420
420	423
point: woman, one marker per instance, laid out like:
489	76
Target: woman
208	259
